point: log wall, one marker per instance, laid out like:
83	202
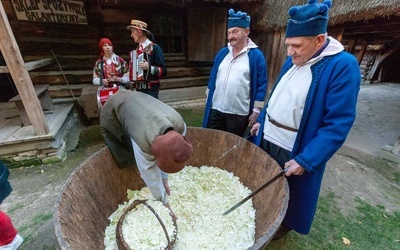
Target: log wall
76	45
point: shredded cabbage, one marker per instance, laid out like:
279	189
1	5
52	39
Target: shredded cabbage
199	197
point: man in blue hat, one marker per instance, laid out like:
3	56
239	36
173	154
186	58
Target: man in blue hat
238	80
310	110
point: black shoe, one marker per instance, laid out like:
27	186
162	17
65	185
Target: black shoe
282	231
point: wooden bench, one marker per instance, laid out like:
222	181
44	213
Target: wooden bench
46	102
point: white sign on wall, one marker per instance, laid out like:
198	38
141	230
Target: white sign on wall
53	11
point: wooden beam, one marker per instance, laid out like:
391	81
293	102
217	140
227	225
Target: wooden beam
378	62
13	58
39	63
360	55
336	32
31	65
351	46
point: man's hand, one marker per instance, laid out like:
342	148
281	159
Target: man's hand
166	186
253	118
294	168
144	65
254	129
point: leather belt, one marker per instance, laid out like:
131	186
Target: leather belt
281	125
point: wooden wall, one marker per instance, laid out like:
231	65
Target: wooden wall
272	44
76	45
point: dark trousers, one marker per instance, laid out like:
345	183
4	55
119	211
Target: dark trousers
235	124
5	186
120	148
279	154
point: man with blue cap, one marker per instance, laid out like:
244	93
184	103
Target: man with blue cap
310	110
238	80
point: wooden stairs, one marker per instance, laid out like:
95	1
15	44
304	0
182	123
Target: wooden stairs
192	77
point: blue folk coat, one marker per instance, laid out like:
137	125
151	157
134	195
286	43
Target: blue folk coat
258	79
329	113
5	187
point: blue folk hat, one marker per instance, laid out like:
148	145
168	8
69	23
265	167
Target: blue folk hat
308	20
238	19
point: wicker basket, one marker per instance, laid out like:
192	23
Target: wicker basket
122	245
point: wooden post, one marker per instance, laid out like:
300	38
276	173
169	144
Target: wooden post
360	56
336	32
20	75
351	46
277	57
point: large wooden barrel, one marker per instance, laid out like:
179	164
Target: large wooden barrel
94	190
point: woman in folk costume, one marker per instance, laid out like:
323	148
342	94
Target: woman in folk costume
110	67
145	70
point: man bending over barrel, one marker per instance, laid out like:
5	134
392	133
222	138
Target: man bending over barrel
138	127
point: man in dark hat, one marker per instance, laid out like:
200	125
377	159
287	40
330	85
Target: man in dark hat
238	80
147	63
310	110
139	128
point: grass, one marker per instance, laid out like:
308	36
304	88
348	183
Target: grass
192	117
35	222
368	227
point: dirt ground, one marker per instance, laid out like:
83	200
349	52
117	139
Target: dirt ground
350	173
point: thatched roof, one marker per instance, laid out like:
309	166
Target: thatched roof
182	2
232	1
273	13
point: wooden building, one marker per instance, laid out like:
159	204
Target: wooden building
190	33
369	29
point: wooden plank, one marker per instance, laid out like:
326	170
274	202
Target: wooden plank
6	105
31	65
20	75
201	48
12	148
46	103
20	134
360	55
378	61
278	55
4	69
31	136
9	128
39	89
55	120
35	29
4	122
184	82
39	63
351	45
13	134
336	32
59	119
